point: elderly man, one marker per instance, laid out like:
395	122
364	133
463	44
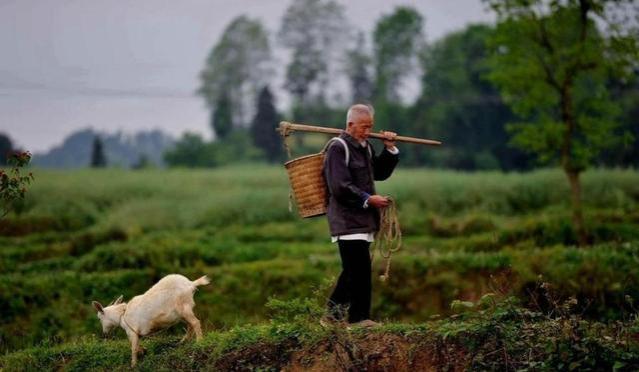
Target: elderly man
350	167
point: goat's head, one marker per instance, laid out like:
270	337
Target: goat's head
110	315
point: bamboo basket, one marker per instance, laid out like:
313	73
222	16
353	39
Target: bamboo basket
307	184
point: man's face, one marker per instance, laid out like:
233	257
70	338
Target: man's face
360	127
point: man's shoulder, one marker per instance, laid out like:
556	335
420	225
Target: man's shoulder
336	144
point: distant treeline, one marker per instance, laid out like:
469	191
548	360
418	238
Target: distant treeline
460	101
87	147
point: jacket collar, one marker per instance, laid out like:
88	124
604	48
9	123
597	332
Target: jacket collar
355	143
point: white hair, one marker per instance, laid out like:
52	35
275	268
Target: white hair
359	109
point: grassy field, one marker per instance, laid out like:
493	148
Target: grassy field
95	234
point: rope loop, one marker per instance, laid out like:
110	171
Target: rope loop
388	239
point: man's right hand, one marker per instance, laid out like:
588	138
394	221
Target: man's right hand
378	201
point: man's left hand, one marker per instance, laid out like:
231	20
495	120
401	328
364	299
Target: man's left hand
389	142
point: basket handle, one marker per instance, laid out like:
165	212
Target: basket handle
347	154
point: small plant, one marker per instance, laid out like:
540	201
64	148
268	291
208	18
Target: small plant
299	310
13	183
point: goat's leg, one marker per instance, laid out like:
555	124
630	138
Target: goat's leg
187	314
135	345
189	332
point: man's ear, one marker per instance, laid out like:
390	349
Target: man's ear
118	300
98	307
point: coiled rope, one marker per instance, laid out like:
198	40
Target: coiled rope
388	239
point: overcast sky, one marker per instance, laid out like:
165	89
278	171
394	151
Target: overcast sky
133	64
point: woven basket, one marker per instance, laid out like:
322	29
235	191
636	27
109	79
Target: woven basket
307	182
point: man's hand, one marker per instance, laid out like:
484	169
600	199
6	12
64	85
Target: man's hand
389	142
378	201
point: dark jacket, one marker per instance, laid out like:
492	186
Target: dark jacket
349	186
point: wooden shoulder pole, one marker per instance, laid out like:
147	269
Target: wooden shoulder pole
286	128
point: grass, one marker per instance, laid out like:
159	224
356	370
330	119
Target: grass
494	333
95	234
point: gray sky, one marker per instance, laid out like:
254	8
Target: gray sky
133	64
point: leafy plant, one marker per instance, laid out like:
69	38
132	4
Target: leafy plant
13	183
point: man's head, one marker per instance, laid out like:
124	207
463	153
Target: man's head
359	121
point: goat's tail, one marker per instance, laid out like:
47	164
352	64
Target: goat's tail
202	281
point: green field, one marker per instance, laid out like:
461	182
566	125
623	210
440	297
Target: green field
95	234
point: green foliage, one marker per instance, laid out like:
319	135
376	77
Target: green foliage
263	127
235	69
6	146
193	152
559	339
397	38
298	310
190	151
460	107
313	30
551	67
494	333
222	118
470	91
626	92
358	64
13	183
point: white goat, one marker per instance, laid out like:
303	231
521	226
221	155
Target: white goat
167	302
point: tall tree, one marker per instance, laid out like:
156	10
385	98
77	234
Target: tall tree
397	38
314	31
263	127
98	159
236	68
551	63
222	116
306	67
6	146
358	63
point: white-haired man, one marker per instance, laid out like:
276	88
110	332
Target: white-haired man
350	169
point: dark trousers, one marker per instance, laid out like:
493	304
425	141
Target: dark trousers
353	289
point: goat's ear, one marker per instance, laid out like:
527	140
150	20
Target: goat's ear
98	306
118	300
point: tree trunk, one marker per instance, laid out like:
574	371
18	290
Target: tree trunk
572	171
577	215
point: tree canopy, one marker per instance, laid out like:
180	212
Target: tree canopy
499	96
236	68
263	126
397	39
314	31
